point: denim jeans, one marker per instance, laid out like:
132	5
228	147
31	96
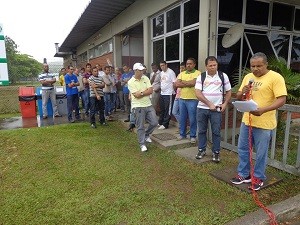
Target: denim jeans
175	110
107	101
215	118
86	100
141	115
72	103
97	105
113	101
188	109
260	141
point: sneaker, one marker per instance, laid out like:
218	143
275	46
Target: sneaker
200	154
158	125
148	139
216	157
45	117
93	125
180	138
162	127
127	120
239	179
104	124
256	185
144	148
58	115
193	140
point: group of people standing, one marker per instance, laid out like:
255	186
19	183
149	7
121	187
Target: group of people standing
193	98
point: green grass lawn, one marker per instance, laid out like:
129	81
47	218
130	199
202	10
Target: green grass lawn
72	174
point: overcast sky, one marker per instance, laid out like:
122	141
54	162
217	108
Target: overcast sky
35	25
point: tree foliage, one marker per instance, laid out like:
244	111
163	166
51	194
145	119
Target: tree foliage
20	66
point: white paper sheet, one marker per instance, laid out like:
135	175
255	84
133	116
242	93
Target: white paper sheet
245	106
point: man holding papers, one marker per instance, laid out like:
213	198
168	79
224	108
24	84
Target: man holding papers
268	90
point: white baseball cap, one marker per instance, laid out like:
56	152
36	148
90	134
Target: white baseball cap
138	66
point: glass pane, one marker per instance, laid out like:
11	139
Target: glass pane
231	10
260	43
191	42
297	20
261	10
158	51
281	44
191	12
295	54
172	47
282	16
228	57
158	25
173	19
175	67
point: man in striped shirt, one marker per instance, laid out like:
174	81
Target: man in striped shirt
96	97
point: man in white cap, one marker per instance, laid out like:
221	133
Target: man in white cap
140	89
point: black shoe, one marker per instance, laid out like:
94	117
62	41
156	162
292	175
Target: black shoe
93	125
127	120
201	153
104	124
45	117
72	121
216	157
257	184
239	179
131	127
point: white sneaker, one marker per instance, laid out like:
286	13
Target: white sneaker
144	148
148	139
162	127
193	140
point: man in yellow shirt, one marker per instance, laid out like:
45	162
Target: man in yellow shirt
267	88
62	76
140	89
188	101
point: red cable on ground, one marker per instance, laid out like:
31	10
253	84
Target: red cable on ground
254	193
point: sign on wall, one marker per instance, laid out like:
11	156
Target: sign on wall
3	61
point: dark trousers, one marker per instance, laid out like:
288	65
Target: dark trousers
95	106
73	103
165	104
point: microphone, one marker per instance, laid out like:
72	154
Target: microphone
251	81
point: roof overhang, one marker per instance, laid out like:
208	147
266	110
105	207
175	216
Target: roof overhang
96	15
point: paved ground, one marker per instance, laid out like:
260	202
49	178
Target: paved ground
287	211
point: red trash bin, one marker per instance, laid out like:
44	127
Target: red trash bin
27	102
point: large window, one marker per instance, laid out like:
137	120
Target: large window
281	43
297	20
295	54
175	33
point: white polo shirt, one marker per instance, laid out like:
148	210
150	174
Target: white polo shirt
166	82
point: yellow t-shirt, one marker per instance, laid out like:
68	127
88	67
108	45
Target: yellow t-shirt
188	92
265	90
62	80
141	85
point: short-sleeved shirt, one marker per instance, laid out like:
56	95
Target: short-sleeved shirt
97	80
167	80
46	76
135	85
126	76
68	80
212	89
188	92
265	90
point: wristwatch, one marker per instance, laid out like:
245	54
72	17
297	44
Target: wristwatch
142	94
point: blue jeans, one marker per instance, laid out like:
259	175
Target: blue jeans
260	141
188	109
175	110
107	101
113	101
215	118
86	100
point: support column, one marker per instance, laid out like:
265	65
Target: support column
147	41
203	33
117	51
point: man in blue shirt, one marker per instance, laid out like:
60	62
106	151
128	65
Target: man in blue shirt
126	76
71	82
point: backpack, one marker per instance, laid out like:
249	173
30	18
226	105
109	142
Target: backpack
220	73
